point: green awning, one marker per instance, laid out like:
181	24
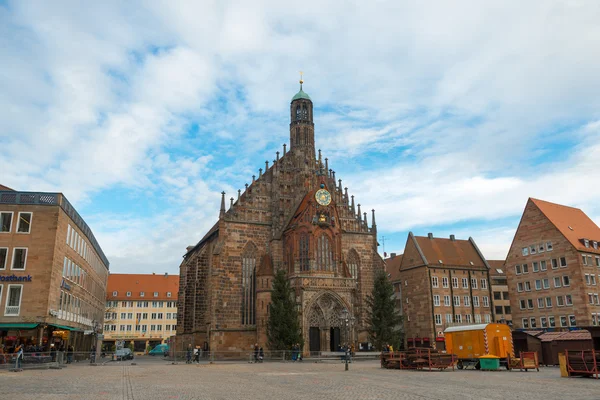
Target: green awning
17	326
66	328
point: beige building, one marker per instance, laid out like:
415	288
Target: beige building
52	272
140	309
501	299
553	268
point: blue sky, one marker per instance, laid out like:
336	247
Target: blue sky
443	116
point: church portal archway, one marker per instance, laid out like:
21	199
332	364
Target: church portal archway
324	327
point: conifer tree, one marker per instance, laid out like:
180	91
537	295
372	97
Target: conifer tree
383	320
283	327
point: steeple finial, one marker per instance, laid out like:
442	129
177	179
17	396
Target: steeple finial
222	211
301	80
373	224
359	216
353	209
239	195
231	203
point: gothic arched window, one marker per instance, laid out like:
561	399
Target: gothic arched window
298	113
249	284
324	254
304	252
304	112
353	263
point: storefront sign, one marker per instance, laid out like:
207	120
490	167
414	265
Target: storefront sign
15	278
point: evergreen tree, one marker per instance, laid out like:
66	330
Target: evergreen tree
283	327
383	321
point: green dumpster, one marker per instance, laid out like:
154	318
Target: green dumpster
489	363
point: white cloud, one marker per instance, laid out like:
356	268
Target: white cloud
459	101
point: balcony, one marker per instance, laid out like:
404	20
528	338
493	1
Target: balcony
12	310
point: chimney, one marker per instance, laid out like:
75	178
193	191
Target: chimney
392	255
452	237
166	274
189	248
430	235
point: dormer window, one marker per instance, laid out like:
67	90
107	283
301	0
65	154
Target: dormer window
595	244
168	294
155	294
115	294
142	294
128	294
586	242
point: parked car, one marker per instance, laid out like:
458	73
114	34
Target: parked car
159	350
124	354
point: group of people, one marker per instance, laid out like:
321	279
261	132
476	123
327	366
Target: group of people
296	352
259	353
388	348
8	354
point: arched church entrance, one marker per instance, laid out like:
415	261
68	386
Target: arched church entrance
324	324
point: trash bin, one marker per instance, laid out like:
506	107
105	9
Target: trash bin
489	363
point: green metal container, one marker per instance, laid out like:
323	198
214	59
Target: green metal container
489	363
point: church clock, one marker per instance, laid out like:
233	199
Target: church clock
323	197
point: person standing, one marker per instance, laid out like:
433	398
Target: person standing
255	352
19	353
70	350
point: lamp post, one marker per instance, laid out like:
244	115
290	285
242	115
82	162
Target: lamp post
347	322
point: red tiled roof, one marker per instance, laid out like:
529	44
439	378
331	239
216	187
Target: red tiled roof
392	267
573	223
496	265
2	187
450	252
136	283
549	336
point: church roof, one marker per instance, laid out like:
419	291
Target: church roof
301	95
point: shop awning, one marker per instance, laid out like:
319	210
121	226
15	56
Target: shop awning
66	328
17	326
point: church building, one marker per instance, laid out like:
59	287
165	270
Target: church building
293	216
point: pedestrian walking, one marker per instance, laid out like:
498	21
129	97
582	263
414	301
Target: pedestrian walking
70	351
255	352
261	355
93	355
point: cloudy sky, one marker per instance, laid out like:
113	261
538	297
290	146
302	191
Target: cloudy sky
444	116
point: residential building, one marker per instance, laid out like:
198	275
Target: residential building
553	268
500	298
445	282
52	272
141	309
296	216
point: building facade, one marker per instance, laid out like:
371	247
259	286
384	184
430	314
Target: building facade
392	267
141	309
501	297
553	268
293	216
52	272
445	282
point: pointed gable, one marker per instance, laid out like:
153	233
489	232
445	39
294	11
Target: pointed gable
572	223
452	252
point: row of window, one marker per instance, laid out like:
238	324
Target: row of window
18	261
23	222
549	321
13	300
589	260
537	266
458	318
466	301
141	304
590	279
546	302
586	243
536	248
79	276
465	283
499	310
501	296
78	243
138	328
544	283
73	308
142	294
593	298
595	319
140	316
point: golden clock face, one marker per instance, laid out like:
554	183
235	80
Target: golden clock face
323	197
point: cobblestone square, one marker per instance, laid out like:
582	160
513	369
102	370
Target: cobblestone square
157	379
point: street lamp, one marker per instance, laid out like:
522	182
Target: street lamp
347	321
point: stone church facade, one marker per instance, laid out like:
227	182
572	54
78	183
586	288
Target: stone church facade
293	216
